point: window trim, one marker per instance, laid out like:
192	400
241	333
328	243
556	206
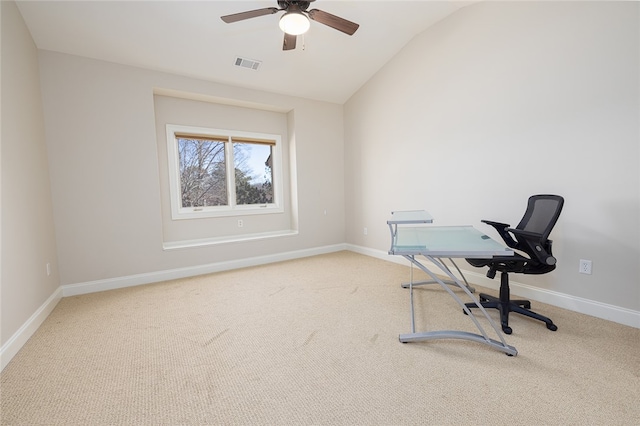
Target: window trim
232	209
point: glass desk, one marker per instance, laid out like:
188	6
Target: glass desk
434	243
415	217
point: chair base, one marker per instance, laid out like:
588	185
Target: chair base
505	305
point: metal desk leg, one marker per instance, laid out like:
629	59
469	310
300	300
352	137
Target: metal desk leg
450	282
500	345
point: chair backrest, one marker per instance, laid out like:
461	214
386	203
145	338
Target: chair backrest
542	214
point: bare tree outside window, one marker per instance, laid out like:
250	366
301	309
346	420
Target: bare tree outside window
203	176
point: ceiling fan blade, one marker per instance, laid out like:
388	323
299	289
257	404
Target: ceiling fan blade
289	42
333	21
249	14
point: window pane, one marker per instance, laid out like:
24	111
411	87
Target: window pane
203	177
253	172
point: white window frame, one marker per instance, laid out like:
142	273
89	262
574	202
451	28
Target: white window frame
232	209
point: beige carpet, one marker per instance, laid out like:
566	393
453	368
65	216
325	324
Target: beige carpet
311	341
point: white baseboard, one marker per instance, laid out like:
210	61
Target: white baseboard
20	337
191	271
573	303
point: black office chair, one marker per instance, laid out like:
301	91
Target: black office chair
531	238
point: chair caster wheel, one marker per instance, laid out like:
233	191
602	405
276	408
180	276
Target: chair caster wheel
506	329
552	327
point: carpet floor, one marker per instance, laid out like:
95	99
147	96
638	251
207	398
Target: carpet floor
311	341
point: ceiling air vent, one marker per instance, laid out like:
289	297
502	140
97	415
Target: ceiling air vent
248	63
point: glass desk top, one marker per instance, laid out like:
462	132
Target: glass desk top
446	241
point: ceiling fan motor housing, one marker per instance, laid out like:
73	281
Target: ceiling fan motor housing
284	4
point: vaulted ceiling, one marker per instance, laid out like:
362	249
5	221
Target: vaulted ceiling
188	38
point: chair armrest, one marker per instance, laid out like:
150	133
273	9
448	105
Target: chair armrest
503	229
496	225
536	243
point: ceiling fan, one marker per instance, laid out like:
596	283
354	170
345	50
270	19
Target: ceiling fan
295	21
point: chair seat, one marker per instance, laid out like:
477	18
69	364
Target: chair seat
516	263
516	259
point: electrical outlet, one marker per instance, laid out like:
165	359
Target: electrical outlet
240	223
585	267
365	231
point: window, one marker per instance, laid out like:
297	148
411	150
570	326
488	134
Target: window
215	172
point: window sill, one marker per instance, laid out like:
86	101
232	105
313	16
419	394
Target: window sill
175	245
226	211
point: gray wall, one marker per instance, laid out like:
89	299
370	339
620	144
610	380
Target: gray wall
499	101
106	183
28	241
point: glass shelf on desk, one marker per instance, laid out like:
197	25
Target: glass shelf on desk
410	217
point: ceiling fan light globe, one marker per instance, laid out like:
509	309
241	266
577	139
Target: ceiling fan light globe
294	23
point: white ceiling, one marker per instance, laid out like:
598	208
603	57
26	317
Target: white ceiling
189	38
